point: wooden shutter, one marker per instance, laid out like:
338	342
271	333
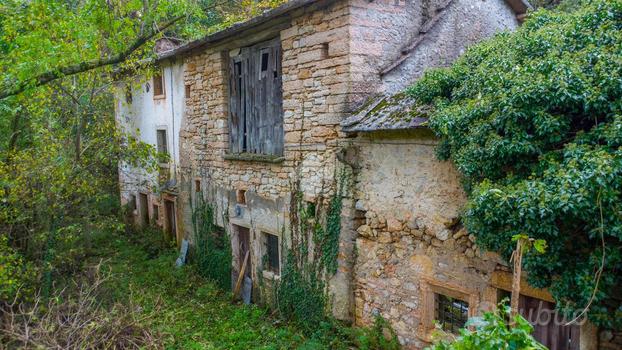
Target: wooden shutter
255	100
158	85
234	104
266	122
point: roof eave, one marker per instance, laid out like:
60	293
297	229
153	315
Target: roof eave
237	28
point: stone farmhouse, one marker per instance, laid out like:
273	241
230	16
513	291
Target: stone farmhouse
298	94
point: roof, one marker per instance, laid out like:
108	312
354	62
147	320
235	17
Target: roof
282	10
520	7
396	112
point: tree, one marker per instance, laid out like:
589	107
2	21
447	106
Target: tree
533	121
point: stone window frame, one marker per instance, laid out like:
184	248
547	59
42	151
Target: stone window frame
429	288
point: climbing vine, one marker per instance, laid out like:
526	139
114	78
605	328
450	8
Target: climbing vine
301	295
212	245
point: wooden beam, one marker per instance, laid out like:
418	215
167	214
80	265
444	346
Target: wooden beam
238	284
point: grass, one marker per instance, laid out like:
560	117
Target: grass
187	311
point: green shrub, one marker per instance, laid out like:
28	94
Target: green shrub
17	277
491	332
533	121
212	253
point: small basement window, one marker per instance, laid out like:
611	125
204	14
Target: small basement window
158	85
451	314
271	256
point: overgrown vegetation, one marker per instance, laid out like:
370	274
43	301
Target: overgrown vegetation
301	294
491	332
533	121
212	251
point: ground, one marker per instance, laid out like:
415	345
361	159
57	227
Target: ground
184	310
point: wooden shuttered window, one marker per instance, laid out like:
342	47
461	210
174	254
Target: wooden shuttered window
256	100
158	85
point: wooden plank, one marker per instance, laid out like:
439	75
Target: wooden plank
234	110
256	105
238	283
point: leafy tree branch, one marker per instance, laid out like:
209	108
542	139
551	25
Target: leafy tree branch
86	66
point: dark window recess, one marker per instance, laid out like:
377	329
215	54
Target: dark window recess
272	262
133	204
162	145
264	61
156	213
241	197
256	100
187	91
197	185
324	51
451	313
158	85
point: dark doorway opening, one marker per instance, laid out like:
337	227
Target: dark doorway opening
171	220
549	327
144	209
548	324
244	254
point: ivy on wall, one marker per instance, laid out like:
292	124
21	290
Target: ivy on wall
301	295
533	121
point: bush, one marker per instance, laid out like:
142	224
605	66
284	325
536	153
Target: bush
492	332
17	277
533	121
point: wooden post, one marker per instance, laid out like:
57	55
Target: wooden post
238	284
516	278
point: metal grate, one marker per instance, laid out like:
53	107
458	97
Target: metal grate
451	313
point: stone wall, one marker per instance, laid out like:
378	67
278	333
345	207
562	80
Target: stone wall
411	233
332	53
411	244
316	97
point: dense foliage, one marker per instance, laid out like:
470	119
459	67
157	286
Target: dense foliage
59	148
492	332
212	251
533	121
